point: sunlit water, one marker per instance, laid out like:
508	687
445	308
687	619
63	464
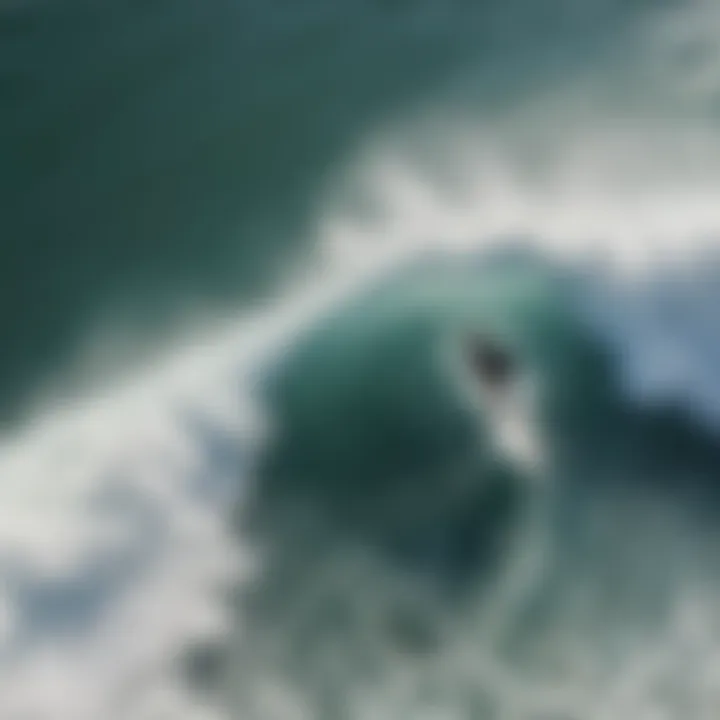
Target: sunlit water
301	507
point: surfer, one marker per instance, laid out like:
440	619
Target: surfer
491	363
507	396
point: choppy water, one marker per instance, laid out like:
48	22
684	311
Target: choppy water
243	473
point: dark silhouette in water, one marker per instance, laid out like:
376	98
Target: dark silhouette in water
492	364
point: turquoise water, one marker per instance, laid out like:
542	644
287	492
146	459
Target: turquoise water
245	470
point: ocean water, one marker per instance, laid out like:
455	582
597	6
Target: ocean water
246	472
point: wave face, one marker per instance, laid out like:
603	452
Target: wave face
304	504
410	562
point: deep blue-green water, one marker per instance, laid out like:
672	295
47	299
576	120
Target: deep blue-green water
246	471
